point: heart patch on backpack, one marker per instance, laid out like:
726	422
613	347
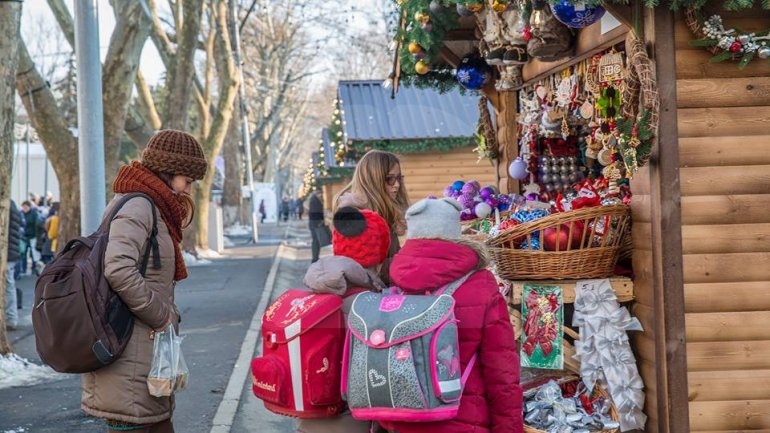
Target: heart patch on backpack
376	379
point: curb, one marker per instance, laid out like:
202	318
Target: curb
228	407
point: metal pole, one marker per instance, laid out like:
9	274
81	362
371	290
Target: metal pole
26	137
90	116
244	120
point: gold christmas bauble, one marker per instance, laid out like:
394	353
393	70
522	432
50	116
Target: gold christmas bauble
414	47
499	6
421	67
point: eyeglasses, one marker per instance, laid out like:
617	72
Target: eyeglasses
392	179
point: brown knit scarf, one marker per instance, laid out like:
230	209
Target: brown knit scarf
137	178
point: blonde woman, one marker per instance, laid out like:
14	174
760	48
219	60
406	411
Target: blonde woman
378	185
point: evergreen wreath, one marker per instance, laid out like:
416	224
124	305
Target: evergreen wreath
727	43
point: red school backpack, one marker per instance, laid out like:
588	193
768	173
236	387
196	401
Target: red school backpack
299	372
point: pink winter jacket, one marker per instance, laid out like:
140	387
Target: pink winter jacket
492	399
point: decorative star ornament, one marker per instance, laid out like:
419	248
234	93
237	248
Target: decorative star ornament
531	188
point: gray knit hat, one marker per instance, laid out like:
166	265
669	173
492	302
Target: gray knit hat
434	219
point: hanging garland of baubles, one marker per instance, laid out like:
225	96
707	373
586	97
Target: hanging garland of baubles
576	15
727	43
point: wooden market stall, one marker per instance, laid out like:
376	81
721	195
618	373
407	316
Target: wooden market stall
432	133
701	255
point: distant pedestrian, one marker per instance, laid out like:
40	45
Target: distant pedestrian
14	239
285	209
300	208
118	393
317	226
29	239
52	233
262	212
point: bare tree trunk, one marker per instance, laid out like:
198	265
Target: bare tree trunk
10	15
231	197
181	74
59	143
228	90
120	66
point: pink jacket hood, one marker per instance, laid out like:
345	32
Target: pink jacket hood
427	264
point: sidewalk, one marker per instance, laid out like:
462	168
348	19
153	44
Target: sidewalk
295	259
217	303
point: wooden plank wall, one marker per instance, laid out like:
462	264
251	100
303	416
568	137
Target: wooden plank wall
429	173
724	130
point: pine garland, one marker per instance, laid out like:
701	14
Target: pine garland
730	5
414	146
635	139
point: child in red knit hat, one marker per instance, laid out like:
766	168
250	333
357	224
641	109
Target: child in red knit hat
360	241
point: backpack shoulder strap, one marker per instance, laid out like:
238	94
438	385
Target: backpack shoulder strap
153	238
450	288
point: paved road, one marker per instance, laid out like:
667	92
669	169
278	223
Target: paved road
217	303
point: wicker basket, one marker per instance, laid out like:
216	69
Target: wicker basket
598	391
594	258
471	232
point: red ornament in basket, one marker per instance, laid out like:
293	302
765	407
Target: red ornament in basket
509	224
541	326
560	239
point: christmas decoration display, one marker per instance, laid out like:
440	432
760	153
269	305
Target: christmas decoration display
473	73
604	351
728	43
576	15
730	5
477	202
568	406
541	337
486	136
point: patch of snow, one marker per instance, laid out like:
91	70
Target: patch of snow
228	243
190	260
237	230
17	371
208	254
16	430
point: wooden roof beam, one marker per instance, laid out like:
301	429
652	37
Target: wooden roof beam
450	57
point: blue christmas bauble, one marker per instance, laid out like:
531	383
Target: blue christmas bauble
458	185
473	73
576	15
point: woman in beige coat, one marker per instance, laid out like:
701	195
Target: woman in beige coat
118	393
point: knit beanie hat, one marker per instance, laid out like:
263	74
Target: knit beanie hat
175	152
434	219
361	235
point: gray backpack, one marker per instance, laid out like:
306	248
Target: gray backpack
401	360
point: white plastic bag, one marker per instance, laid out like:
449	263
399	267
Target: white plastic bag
168	372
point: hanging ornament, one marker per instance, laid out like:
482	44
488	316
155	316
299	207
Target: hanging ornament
518	169
576	15
426	26
587	110
414	47
421	17
435	7
764	53
473	73
499	5
463	11
421	67
611	67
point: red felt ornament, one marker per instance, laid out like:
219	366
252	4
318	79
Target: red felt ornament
736	47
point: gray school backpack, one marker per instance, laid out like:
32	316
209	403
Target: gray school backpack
401	360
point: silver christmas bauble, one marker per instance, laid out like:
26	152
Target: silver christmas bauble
545	178
549	187
744	39
560	160
545	169
563	169
573	177
544	160
558	187
572	168
764	53
566	186
565	177
572	160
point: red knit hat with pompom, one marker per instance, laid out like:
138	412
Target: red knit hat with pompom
361	235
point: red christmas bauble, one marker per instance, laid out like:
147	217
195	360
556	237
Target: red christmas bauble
735	47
